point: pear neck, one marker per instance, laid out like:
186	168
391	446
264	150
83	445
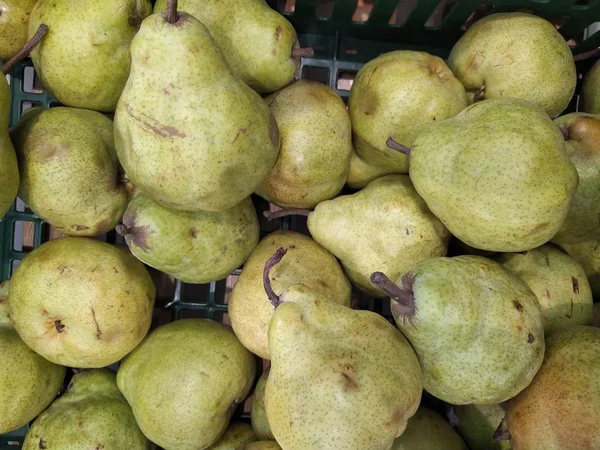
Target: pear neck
171	14
404	299
26	50
272	262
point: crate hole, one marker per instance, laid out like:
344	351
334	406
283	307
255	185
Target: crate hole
229	284
14	265
480	12
320	74
583	2
23	233
363	11
560	21
192	314
324	9
20	206
194	293
345	80
31	82
53	233
28	105
13	443
8	77
402	12
55	105
439	14
289	6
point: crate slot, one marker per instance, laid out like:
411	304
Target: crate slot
320	74
345	79
439	14
29	104
363	11
31	82
324	9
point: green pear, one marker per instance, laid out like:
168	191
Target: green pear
80	302
28	382
70	174
307	262
497	175
516	55
260	423
588	255
559	283
237	436
188	132
260	45
428	430
184	382
478	424
90	38
92	413
9	170
14	20
194	247
340	379
582	139
560	409
476	327
316	143
397	95
263	445
590	92
362	172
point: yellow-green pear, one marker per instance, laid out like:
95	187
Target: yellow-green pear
9	170
361	172
260	423
478	424
14	21
588	255
516	55
237	436
263	445
590	92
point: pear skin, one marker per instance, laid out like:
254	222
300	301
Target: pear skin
590	93
9	170
260	423
263	445
237	436
15	20
361	172
588	255
478	423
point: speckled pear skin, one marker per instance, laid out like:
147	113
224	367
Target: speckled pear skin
263	445
13	25
260	423
9	170
583	148
306	262
214	373
237	436
256	40
428	430
28	382
590	92
191	137
516	55
343	379
91	414
362	172
194	247
560	409
497	175
478	423
81	303
397	95
70	174
588	255
91	38
478	329
559	283
316	143
385	227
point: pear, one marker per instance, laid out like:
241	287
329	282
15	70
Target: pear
213	374
263	445
590	91
398	94
582	139
362	172
478	424
260	45
588	255
516	55
92	413
428	430
90	38
260	423
82	303
188	132
307	262
69	169
15	19
316	143
559	283
497	175
237	436
476	327
560	409
28	382
194	247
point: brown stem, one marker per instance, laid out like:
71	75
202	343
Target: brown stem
171	15
391	143
564	131
26	50
303	52
122	230
502	433
272	262
405	304
286	212
479	94
585	55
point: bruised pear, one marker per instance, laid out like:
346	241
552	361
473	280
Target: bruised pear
588	255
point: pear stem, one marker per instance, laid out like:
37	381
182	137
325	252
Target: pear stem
171	15
479	94
303	52
272	262
391	143
286	212
403	297
564	131
26	50
502	433
122	230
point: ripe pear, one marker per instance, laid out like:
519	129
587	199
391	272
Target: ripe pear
588	255
559	283
590	91
260	423
14	20
478	423
316	143
263	445
92	413
307	262
362	172
428	430
81	302
28	382
188	132
582	140
90	38
9	170
194	247
497	175
260	45
476	327
213	374
70	174
516	55
237	436
397	95
560	409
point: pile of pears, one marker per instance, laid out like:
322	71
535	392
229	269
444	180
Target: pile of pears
451	195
